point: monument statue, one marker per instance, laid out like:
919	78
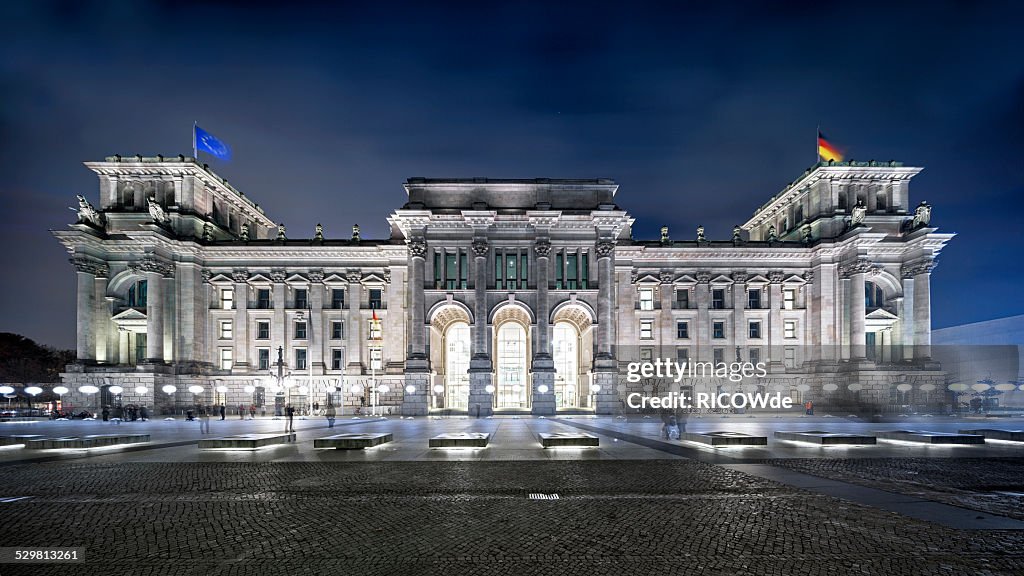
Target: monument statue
156	211
922	214
858	213
87	214
700	234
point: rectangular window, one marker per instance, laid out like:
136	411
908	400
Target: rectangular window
646	354
375	298
718	298
225	330
337	330
647	330
682	330
718	329
375	330
463	270
225	358
559	268
754	329
754	298
788	299
682	298
376	359
498	269
336	359
137	294
337	298
571	261
301	298
647	298
300	358
451	271
789	329
263	358
585	271
789	358
682	355
263	298
300	330
438	281
719	355
263	330
523	263
227	298
510	272
755	355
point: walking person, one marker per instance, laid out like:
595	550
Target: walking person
330	415
252	412
241	411
289	418
143	413
204	419
223	411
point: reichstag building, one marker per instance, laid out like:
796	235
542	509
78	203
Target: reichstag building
492	295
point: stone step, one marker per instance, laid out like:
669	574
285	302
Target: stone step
89	441
562	439
246	441
824	438
460	440
924	437
997	434
17	439
353	441
725	438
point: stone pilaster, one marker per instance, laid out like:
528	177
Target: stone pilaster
856	272
702	293
87	271
606	370
921	272
543	403
480	368
317	335
416	396
775	320
155	270
241	323
739	304
354	327
279	328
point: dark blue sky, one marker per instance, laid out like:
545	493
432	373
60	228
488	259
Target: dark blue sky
701	112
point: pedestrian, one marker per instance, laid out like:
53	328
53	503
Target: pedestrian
223	411
204	420
289	413
241	411
143	414
809	408
672	428
252	412
106	413
330	415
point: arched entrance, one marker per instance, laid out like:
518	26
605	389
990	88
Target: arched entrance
572	352
450	351
512	387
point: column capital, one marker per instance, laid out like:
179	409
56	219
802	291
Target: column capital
703	277
278	276
316	276
353	276
858	266
90	266
776	276
740	277
154	265
605	248
542	248
666	277
480	247
417	247
917	267
240	276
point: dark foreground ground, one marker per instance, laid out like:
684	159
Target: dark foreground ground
612	517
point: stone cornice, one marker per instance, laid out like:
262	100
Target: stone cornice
90	266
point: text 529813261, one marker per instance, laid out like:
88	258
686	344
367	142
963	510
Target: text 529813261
33	555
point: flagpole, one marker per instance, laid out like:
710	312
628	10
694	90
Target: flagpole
817	144
195	153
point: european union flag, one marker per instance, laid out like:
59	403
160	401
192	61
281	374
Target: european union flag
210	144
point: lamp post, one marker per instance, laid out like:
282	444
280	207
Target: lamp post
311	389
281	376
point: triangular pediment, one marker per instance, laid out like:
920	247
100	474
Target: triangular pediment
260	279
721	279
373	278
129	315
296	279
794	279
221	279
685	280
648	279
881	314
335	279
758	279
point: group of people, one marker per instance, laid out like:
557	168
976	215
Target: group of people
127	413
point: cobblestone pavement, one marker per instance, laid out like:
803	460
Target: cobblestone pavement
613	517
993	485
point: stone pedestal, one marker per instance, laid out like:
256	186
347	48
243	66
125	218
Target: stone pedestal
543	404
606	375
481	402
416	403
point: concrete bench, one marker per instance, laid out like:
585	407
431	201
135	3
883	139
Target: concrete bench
90	441
563	439
247	441
997	434
923	437
460	440
824	438
18	439
352	441
725	438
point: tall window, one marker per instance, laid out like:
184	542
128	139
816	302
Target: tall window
754	298
137	294
456	366
718	298
789	357
451	270
337	298
512	382
647	330
438	274
719	355
263	330
510	270
301	298
336	361
376	358
225	358
682	329
227	298
647	354
376	295
376	333
566	356
263	298
571	265
682	298
754	355
874	297
225	329
718	328
300	330
263	358
682	355
789	329
788	299
647	298
572	270
754	329
337	330
300	358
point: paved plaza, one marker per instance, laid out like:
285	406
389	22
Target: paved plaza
636	504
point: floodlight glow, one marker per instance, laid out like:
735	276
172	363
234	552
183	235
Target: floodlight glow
303	390
905	387
595	388
383	388
357	389
33	390
249	389
830	387
489	388
169	389
543	388
410	389
60	390
438	389
141	389
195	389
116	389
87	389
6	390
222	389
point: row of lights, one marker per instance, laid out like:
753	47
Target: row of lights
249	389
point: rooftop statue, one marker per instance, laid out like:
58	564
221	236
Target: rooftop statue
858	213
87	214
773	236
700	234
245	232
157	212
922	214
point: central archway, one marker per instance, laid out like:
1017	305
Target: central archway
512	389
450	350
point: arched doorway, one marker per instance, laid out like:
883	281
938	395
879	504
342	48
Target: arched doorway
565	347
456	366
512	388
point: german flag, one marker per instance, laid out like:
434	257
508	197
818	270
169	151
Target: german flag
828	151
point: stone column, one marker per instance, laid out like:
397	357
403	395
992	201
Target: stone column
702	293
856	272
241	323
739	304
606	370
354	329
316	322
154	270
415	399
543	363
922	272
775	343
279	328
480	369
86	342
101	317
668	327
906	320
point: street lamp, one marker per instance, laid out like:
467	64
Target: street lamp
281	381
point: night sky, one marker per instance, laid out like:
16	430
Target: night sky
701	113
